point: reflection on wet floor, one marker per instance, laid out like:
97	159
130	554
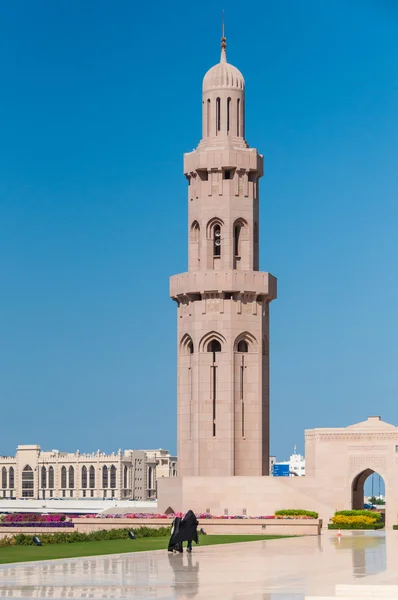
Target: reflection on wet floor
268	570
369	555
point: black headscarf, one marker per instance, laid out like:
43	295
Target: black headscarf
187	531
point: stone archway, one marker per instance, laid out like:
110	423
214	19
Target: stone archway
357	489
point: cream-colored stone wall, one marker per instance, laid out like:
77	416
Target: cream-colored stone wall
338	461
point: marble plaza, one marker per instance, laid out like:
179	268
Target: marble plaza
286	569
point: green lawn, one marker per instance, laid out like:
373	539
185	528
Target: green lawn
27	553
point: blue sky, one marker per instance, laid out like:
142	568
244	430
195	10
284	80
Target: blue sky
99	101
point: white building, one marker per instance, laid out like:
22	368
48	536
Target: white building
296	464
129	475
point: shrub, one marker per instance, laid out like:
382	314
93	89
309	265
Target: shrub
296	513
23	539
354	513
376	525
353	520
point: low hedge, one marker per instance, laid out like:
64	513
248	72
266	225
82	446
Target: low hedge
377	525
359	513
22	539
292	512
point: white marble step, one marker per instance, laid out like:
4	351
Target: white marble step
367	591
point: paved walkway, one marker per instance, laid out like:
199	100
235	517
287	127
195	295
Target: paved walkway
284	569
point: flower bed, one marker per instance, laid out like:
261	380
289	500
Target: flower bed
36	524
356	519
280	514
31	518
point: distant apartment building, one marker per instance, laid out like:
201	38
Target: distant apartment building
295	466
131	474
160	464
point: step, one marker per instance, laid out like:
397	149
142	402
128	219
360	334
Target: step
367	591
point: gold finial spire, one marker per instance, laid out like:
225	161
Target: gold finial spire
223	40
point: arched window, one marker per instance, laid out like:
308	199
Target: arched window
43	477
63	478
237	230
228	113
113	476
238	117
11	480
84	477
125	477
186	344
208	119
92	477
195	231
51	477
218	114
3	477
217	240
243	346
104	476
214	346
71	477
27	482
150	478
195	244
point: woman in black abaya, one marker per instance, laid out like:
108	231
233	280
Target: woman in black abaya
175	546
187	532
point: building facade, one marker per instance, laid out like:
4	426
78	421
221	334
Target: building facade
160	464
223	300
34	474
296	465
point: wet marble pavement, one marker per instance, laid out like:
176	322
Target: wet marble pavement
285	569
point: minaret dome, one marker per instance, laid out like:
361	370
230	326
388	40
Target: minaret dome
223	100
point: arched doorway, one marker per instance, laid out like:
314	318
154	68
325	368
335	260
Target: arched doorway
365	490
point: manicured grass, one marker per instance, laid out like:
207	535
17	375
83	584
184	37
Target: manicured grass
28	553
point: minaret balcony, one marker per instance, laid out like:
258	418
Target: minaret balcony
200	282
247	159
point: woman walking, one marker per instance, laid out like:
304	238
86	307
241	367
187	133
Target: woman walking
189	527
187	532
174	545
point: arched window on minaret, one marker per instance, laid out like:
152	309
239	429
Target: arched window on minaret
208	117
241	347
186	344
214	243
217	240
237	230
228	113
214	346
218	115
195	246
241	245
238	117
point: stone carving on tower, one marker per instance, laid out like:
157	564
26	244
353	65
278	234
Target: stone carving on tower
223	299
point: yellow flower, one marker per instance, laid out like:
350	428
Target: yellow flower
354	520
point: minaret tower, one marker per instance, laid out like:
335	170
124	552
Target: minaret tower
223	299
